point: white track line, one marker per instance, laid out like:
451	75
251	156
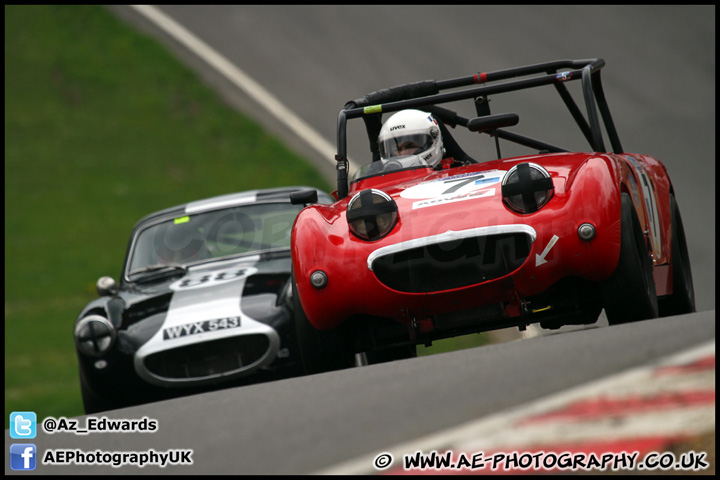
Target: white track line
241	80
501	429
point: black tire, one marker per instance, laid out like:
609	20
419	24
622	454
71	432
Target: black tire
682	300
321	350
92	403
391	354
629	294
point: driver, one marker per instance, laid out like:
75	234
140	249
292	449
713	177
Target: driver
178	243
411	132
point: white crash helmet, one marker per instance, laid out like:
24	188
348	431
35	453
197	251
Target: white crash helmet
411	132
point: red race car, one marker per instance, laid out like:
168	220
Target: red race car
425	243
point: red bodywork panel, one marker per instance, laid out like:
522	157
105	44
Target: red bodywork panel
587	189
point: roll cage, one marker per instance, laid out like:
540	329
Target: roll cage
426	95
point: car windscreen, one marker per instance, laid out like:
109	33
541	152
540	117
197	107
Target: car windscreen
392	165
214	234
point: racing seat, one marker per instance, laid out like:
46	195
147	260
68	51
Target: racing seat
452	149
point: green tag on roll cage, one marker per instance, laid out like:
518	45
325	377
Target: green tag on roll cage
373	109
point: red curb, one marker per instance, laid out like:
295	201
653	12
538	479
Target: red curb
604	407
702	364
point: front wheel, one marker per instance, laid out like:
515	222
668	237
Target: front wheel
92	403
629	294
321	350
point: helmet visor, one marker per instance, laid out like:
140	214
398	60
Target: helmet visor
405	145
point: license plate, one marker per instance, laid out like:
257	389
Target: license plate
205	326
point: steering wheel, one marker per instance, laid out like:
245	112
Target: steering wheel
392	165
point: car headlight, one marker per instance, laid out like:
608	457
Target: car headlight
94	335
371	214
527	187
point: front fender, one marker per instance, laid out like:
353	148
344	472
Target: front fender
588	193
317	240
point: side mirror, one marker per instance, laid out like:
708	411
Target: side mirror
304	197
106	286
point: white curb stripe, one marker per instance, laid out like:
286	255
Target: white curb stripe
663	423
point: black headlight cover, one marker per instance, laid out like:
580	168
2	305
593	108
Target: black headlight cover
527	187
94	335
371	214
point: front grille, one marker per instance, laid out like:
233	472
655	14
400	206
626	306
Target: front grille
208	358
454	263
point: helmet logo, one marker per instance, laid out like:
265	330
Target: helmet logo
397	127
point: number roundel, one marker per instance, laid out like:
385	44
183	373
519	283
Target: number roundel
210	279
454	185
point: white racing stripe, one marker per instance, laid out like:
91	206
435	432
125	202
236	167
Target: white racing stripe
242	81
205	306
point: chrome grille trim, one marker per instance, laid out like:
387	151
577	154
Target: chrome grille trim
450	235
210	378
453	260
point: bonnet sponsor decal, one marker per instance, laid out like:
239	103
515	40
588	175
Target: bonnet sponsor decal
457	188
443	199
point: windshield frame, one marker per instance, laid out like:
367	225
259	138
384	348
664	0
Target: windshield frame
408	162
131	268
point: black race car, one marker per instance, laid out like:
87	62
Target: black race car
203	302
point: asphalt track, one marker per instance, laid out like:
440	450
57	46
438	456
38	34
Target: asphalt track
659	81
307	424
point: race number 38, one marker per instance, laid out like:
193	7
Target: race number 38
209	279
